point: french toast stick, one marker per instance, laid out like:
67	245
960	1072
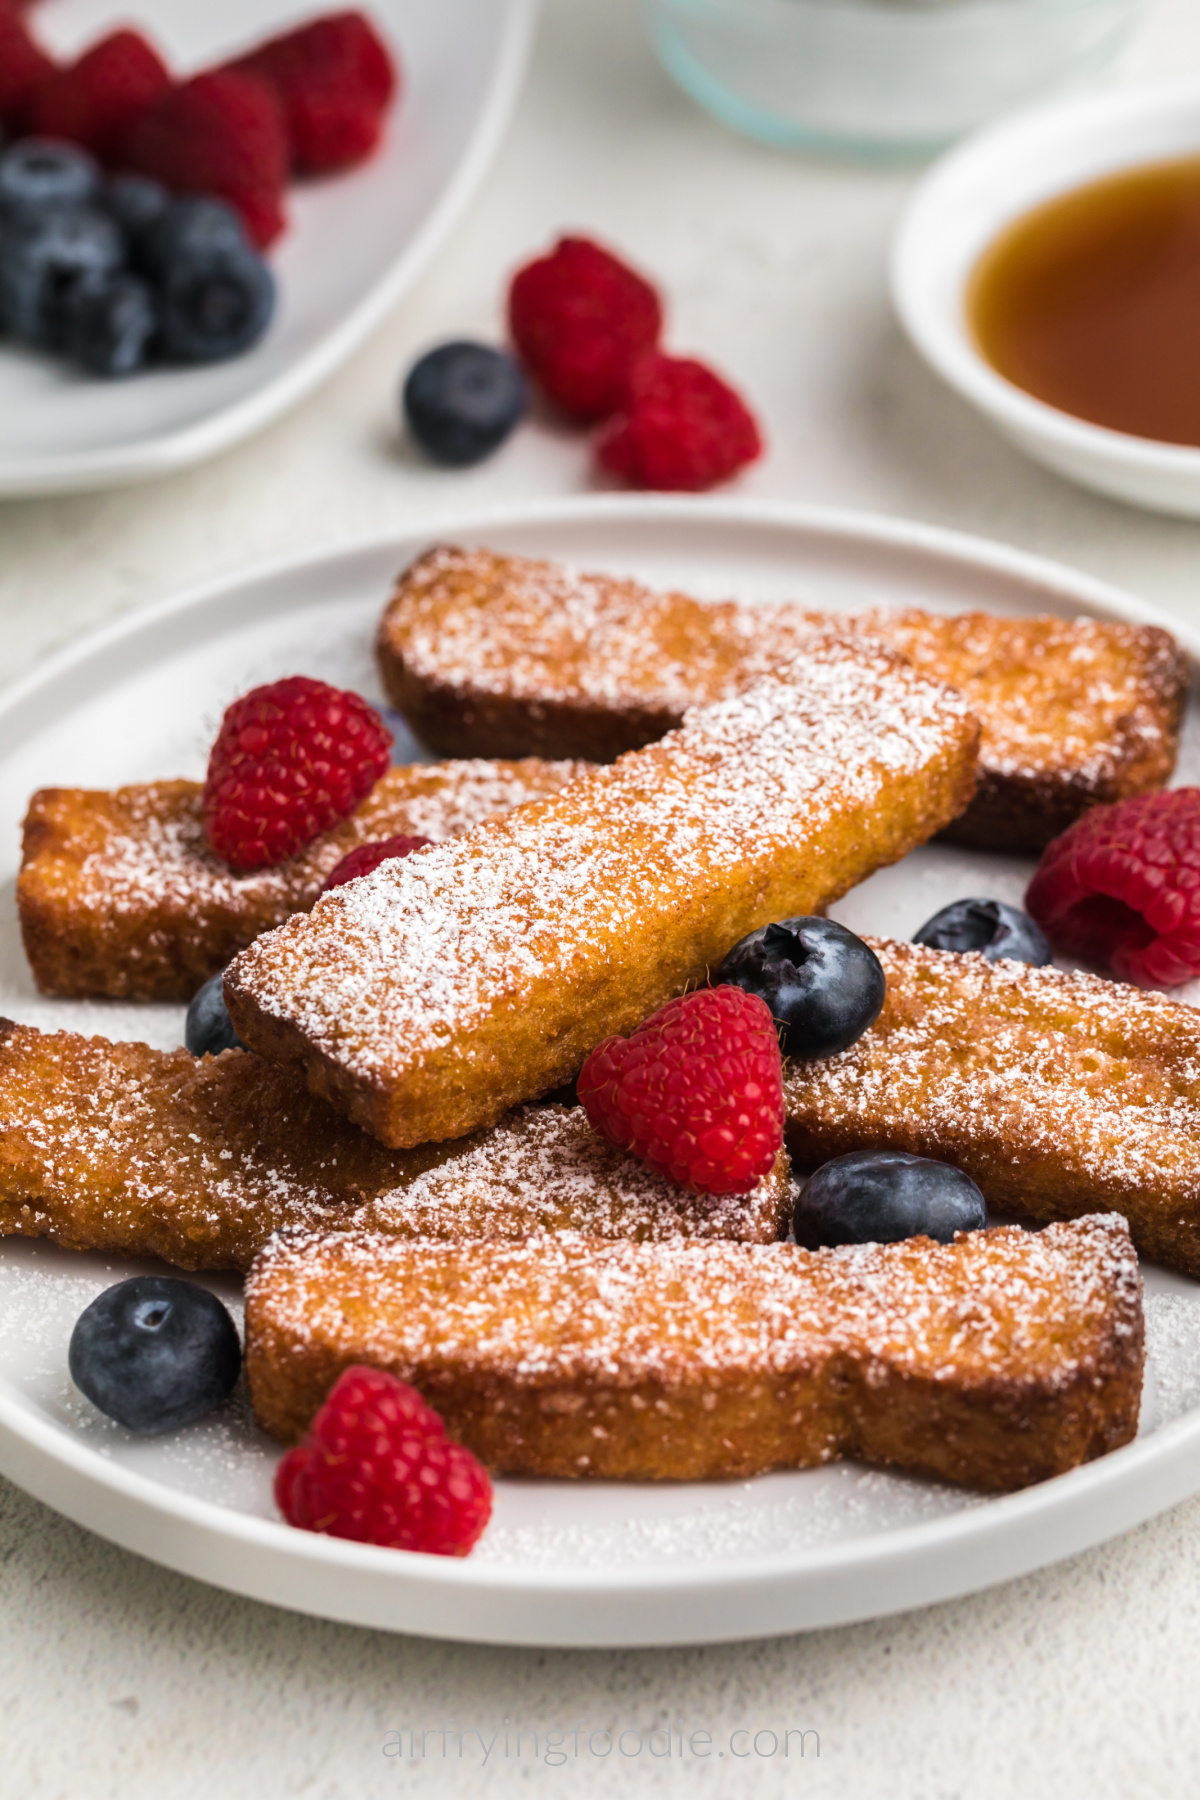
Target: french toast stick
426	999
502	656
120	896
141	1152
996	1361
1058	1094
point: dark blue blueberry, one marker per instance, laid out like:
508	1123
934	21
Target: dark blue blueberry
209	1029
462	400
136	203
111	322
43	261
39	173
155	1353
188	230
881	1196
989	926
822	984
216	304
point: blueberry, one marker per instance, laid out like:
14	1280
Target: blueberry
822	984
881	1196
987	925
37	174
136	203
43	260
155	1353
209	1028
186	230
216	303
462	400
110	323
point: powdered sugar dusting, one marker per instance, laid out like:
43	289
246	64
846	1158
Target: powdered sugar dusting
392	968
1005	1303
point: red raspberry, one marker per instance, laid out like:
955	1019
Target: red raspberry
1121	887
96	100
24	65
367	857
378	1467
580	319
696	1092
681	427
334	80
291	759
220	134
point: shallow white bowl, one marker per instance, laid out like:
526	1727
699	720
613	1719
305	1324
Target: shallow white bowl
961	205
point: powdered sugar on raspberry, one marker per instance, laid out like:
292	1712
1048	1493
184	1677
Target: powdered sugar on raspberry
399	965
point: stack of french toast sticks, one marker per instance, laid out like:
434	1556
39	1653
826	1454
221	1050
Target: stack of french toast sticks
639	780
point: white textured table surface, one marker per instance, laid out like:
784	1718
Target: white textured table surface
120	1679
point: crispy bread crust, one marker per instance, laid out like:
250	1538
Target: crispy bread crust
997	1361
118	1147
426	999
506	656
120	896
1059	1094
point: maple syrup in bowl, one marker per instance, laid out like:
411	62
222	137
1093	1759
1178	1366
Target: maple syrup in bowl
1091	302
1049	270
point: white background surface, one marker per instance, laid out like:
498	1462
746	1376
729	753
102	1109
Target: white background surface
118	1679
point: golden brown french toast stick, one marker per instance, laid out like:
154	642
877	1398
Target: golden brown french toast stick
998	1360
505	656
1058	1094
426	999
120	896
143	1152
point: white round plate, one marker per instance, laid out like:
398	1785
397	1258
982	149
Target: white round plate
355	242
561	1562
967	199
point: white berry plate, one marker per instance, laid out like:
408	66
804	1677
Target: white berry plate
355	243
568	1563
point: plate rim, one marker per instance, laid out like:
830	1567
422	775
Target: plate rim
181	448
33	1451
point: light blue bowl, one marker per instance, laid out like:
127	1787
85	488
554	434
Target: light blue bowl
871	77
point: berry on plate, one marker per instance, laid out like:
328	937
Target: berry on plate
882	1196
377	1467
580	319
680	427
822	985
997	931
696	1091
136	203
334	79
462	400
223	134
215	304
1121	888
365	858
155	1353
43	259
96	100
208	1028
36	175
111	321
291	759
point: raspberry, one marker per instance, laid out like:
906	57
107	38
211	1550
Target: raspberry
368	857
24	65
681	427
96	100
696	1092
1121	887
333	79
580	319
220	134
378	1467
291	759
